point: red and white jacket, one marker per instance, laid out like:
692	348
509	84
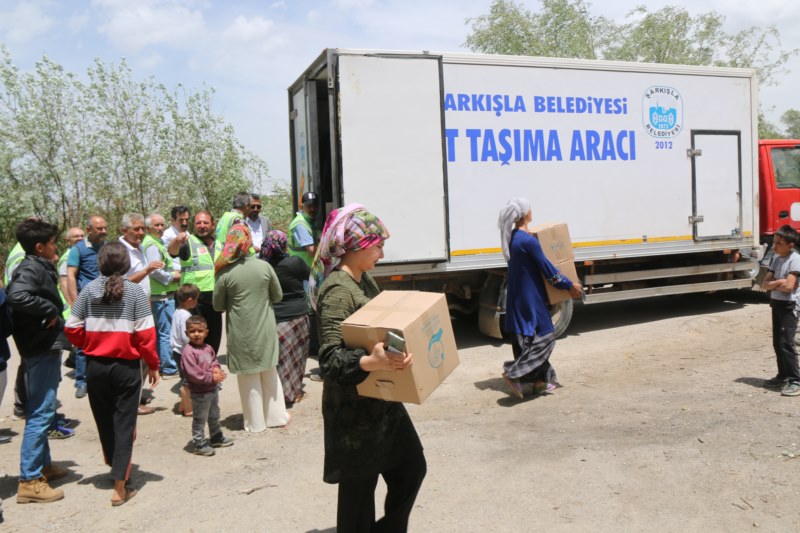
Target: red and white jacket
121	330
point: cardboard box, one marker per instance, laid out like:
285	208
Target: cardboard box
423	320
557	247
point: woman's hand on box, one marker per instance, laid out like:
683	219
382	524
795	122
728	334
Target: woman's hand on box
379	359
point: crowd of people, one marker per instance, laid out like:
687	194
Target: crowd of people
148	306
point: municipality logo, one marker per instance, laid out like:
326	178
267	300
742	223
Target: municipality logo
662	111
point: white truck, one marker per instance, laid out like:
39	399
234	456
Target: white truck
653	167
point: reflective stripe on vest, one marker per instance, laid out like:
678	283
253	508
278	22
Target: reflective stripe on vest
293	247
199	268
14	259
156	287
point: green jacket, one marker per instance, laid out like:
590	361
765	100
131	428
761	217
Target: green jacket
15	257
294	247
245	292
199	268
156	287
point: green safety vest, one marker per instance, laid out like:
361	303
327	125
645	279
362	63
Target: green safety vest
199	268
156	287
15	257
224	226
293	246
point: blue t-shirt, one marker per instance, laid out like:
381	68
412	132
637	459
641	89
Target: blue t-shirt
83	256
781	267
526	299
302	236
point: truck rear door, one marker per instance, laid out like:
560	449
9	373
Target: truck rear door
716	184
391	135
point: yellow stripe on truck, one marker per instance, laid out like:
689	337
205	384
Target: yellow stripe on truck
481	251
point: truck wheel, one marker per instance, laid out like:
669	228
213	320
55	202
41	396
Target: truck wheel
561	315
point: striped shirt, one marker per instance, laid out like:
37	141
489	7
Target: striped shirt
121	330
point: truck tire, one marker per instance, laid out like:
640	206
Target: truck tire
561	315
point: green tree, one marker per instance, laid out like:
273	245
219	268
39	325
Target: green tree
766	129
791	118
565	28
109	144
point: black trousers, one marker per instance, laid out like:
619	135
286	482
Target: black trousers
356	510
114	386
784	326
214	319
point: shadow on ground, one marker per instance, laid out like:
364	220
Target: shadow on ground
595	317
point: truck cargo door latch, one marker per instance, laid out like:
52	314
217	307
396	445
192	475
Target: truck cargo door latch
691	152
694	220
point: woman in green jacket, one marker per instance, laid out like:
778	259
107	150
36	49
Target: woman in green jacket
364	437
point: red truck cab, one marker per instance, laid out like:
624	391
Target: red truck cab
778	185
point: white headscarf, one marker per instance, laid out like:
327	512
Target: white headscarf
515	209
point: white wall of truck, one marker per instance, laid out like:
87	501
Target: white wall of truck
644	162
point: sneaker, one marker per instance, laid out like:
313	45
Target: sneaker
80	392
52	472
203	449
63	421
168	377
37	491
221	441
60	432
18	414
791	389
315	375
5	439
514	385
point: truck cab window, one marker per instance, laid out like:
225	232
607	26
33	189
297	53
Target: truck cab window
786	162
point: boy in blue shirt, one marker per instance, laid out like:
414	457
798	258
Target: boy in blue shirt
781	280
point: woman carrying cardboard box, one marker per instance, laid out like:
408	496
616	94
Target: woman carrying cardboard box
364	437
527	315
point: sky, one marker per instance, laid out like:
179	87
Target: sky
250	51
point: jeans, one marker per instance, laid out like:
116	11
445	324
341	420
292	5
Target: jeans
44	373
162	315
80	368
205	410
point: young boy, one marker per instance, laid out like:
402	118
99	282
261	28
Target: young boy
186	296
781	280
203	372
39	335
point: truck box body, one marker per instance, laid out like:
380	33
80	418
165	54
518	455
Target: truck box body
642	161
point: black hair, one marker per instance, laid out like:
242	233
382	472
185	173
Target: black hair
178	210
114	262
788	233
31	232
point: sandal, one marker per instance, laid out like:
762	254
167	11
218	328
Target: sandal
129	493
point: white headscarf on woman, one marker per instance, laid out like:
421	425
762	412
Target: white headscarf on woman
515	209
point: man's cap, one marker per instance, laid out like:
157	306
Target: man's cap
309	198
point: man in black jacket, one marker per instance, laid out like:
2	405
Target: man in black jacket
39	335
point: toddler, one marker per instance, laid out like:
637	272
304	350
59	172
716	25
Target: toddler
203	374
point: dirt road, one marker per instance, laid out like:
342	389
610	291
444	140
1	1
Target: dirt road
662	425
